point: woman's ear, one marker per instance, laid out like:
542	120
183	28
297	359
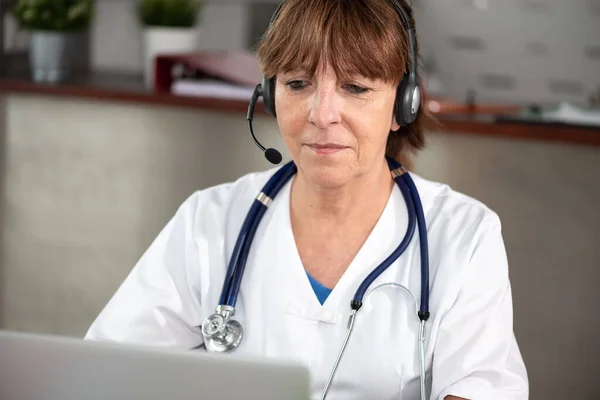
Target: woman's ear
394	126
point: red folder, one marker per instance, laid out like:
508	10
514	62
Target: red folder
238	67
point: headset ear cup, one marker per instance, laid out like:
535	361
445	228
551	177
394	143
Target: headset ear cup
399	105
408	100
268	93
412	99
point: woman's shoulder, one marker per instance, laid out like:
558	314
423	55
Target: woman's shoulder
465	238
249	182
442	201
232	196
458	224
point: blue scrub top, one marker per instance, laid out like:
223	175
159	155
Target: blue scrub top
321	291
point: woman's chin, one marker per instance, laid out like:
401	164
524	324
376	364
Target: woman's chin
327	174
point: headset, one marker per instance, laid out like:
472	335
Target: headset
408	93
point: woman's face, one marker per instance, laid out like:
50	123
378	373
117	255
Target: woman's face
336	131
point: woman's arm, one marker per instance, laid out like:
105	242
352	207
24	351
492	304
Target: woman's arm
475	353
154	305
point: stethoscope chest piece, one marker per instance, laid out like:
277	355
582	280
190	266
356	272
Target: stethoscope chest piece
221	333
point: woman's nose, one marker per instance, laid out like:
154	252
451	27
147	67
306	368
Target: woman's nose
324	108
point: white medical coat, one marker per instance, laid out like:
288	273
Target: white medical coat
471	351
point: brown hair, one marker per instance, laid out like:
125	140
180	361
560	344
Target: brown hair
358	37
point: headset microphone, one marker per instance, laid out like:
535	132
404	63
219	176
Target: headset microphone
272	155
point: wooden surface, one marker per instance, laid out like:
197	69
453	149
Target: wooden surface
552	132
116	87
453	117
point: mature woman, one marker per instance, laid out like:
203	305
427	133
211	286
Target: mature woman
341	233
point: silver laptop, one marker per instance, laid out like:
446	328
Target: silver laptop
36	367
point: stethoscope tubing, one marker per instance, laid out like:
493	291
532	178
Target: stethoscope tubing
368	281
235	255
237	263
415	211
416	219
423	247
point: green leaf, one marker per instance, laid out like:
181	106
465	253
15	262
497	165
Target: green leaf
169	13
54	15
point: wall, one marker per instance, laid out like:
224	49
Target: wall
115	37
510	50
513	50
86	185
117	34
547	197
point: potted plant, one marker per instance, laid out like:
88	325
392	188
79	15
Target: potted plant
169	26
53	26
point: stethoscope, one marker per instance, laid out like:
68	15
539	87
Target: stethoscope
222	334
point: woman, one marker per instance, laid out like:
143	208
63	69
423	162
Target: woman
336	68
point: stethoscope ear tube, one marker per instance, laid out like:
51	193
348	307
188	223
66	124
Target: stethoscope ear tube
423	246
410	231
415	217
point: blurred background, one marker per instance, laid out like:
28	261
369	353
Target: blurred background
112	112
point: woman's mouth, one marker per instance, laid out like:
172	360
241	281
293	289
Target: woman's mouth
326	148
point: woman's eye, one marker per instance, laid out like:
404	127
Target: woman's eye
296	85
356	89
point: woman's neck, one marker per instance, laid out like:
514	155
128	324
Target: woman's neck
363	198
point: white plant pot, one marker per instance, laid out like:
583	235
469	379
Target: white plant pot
164	40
